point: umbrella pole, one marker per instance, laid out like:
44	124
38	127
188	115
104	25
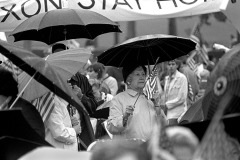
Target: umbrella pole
22	90
155	65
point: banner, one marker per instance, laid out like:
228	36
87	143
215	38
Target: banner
13	12
231	9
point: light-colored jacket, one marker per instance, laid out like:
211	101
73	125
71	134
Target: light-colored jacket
140	124
58	127
176	97
112	84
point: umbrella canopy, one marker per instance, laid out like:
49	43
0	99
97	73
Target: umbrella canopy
18	127
13	148
63	24
47	76
146	50
230	123
67	63
224	81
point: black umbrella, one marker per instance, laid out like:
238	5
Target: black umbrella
41	71
63	24
230	123
12	148
17	137
14	124
146	50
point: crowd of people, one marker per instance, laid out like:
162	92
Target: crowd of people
119	108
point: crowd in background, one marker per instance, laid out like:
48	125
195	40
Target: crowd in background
118	107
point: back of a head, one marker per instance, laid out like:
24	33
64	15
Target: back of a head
182	136
117	148
9	86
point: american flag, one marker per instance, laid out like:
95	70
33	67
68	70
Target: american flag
197	37
151	86
191	97
45	105
191	62
8	65
196	34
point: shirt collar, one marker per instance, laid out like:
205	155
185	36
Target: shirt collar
173	76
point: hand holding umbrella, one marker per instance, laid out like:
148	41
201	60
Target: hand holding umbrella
128	112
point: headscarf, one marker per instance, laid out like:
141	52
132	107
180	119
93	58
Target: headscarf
128	69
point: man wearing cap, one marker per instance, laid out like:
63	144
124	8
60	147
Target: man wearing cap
132	115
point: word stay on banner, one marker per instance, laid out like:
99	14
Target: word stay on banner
13	12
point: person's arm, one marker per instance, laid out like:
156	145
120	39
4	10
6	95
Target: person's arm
87	98
181	96
55	124
113	86
115	119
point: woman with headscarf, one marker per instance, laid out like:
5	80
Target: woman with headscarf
132	115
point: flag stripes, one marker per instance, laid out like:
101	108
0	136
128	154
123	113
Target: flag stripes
191	97
196	34
151	84
45	105
192	64
8	65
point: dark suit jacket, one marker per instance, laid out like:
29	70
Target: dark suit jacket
88	98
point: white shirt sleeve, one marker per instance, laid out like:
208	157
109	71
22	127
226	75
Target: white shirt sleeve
57	121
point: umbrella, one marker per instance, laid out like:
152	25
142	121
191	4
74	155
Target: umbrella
18	127
194	113
223	82
67	63
63	24
47	76
146	50
230	123
12	148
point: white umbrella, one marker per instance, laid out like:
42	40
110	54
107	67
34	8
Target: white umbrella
231	8
67	63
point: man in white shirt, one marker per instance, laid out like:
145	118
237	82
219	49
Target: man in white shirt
175	93
59	129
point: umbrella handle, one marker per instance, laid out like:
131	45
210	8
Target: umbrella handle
22	90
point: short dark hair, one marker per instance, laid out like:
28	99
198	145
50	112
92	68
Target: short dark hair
58	46
9	86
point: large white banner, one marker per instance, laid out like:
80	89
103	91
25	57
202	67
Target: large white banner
232	11
13	12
